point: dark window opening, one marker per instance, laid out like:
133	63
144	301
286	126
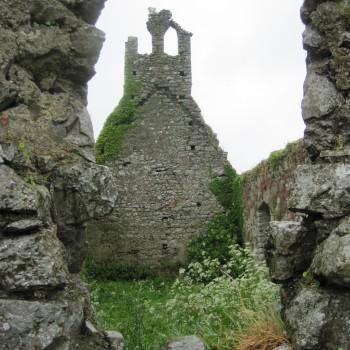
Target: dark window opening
126	163
134	72
198	204
182	73
165	246
193	147
190	123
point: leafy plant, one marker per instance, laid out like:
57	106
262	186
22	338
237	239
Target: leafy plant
151	312
226	227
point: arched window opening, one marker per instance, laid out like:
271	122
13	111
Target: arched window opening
263	223
171	42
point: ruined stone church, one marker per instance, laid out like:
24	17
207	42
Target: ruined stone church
164	163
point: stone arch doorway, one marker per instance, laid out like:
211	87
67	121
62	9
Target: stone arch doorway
263	224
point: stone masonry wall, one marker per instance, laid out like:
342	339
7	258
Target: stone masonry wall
49	184
265	191
311	259
164	165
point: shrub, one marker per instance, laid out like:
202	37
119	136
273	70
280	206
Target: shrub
227	304
115	272
226	227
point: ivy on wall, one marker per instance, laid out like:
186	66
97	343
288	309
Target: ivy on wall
226	227
118	123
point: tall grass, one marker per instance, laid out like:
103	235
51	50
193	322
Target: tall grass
220	311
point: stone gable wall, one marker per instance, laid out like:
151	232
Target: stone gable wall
165	163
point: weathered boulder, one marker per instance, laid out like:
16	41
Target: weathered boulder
48	178
322	189
332	259
288	250
87	191
16	194
115	339
185	343
306	317
316	303
320	95
32	262
33	325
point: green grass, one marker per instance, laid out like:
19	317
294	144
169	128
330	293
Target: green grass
128	306
150	312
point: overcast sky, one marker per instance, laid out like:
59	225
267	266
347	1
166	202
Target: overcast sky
247	61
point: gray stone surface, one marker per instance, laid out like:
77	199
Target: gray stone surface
164	165
32	262
185	343
316	307
332	258
306	317
115	339
320	96
47	54
284	347
22	226
323	189
32	325
16	195
288	251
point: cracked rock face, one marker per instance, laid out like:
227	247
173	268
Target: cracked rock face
312	261
50	184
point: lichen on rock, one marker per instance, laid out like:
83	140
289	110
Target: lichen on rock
48	179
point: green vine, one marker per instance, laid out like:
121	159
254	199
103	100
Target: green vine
118	123
226	227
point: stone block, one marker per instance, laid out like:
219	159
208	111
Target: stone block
32	262
332	258
305	318
33	325
322	189
115	339
320	96
16	195
185	343
288	249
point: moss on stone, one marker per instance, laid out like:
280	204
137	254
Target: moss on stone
276	159
117	124
332	21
